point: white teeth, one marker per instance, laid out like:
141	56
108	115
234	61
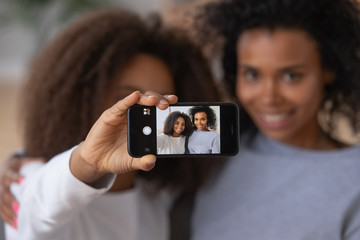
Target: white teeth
272	118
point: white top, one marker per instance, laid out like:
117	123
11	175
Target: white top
55	205
170	145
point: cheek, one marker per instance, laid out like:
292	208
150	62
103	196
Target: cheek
244	95
308	96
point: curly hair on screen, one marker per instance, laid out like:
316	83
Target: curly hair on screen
333	24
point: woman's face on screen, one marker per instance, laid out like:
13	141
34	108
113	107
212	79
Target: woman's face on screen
200	121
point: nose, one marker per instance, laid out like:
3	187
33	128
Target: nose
270	92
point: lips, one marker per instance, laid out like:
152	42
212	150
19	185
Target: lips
200	126
179	130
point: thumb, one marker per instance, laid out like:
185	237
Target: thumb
147	162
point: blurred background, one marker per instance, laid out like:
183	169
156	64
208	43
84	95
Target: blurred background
27	25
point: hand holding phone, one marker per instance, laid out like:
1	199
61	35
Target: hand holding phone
190	129
105	147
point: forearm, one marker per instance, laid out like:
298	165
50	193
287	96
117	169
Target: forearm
53	196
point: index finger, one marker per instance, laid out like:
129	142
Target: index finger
163	101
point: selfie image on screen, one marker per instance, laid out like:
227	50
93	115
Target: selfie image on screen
188	130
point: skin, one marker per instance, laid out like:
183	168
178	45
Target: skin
179	127
280	83
143	72
200	121
89	162
10	174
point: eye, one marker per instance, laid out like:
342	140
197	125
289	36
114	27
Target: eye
250	75
291	77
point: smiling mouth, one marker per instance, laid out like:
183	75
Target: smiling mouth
275	121
275	118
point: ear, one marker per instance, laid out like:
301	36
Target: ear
328	76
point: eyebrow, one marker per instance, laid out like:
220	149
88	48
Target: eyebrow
246	66
284	69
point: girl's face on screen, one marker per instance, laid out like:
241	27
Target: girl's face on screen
280	82
179	127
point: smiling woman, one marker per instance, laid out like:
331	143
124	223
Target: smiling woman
286	62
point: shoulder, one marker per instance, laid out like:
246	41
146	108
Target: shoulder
213	133
163	136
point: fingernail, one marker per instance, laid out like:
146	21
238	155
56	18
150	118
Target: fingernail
163	101
167	96
15	206
21	180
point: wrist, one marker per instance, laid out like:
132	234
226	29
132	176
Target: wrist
83	170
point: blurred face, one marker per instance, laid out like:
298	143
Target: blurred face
179	127
280	83
200	121
144	73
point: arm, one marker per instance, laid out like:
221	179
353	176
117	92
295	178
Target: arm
160	142
215	146
9	173
54	196
105	148
51	197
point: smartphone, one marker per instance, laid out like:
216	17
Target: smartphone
200	129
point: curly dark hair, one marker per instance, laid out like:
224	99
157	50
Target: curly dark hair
170	121
210	114
333	24
69	81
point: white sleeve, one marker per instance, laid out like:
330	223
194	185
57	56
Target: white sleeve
160	142
51	196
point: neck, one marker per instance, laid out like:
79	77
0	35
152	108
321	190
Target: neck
174	134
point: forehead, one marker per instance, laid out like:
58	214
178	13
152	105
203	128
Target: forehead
180	119
281	46
200	114
146	73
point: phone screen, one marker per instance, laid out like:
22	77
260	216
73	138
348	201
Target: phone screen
196	129
188	130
